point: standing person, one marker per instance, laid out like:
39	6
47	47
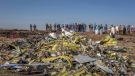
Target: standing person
77	27
46	26
71	27
124	30
122	27
89	27
34	27
101	29
117	30
82	28
105	28
59	27
50	26
74	26
66	26
96	29
133	30
30	27
120	30
55	26
63	26
112	32
128	30
85	27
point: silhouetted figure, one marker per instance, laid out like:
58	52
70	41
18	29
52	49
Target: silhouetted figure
76	29
91	27
34	27
124	30
105	28
30	27
50	27
62	25
128	30
47	26
85	27
66	26
101	29
120	30
57	26
133	30
82	27
74	26
54	26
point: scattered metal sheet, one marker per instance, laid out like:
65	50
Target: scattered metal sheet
53	35
34	64
83	58
98	42
29	53
106	69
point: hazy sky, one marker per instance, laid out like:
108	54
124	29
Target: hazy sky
21	13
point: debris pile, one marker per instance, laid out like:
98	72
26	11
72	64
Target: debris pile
65	54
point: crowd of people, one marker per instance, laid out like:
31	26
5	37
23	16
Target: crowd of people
79	27
97	29
76	27
121	30
34	27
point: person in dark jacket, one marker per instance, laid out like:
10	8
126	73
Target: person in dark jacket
105	28
46	26
91	27
101	29
128	30
30	27
34	27
124	30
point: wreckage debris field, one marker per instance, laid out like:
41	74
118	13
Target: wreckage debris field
62	54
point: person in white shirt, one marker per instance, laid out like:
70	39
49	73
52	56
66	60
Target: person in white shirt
117	30
112	31
96	29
